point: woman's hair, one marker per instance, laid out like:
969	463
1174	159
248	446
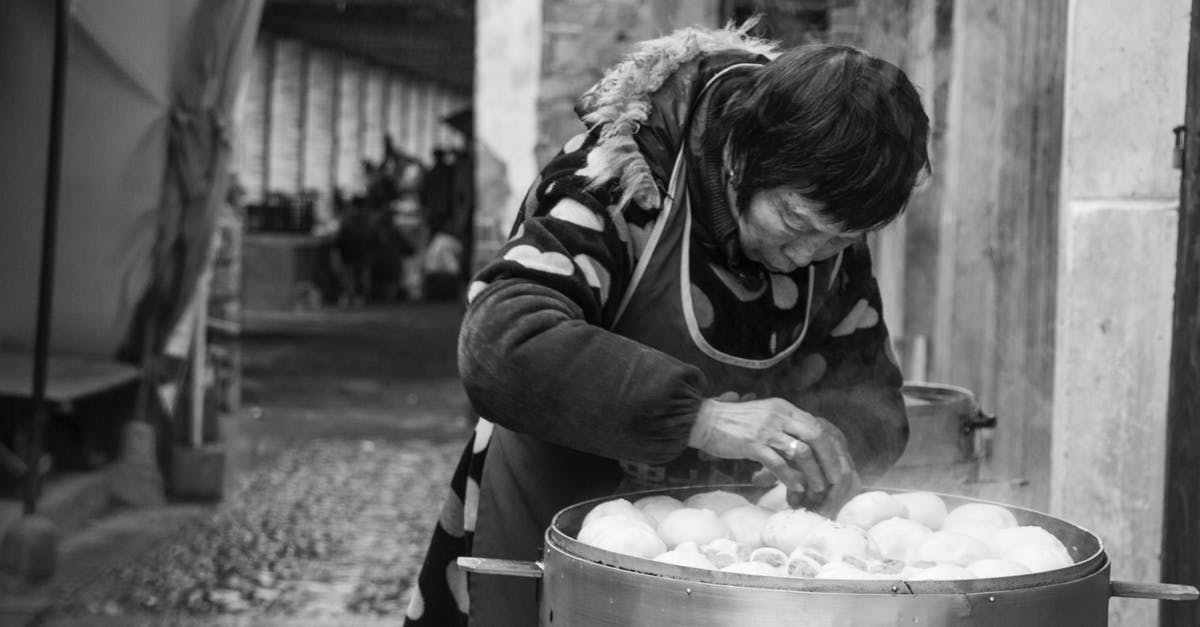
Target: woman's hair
843	128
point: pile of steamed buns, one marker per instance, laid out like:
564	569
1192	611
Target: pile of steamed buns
876	535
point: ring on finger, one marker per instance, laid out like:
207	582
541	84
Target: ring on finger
793	446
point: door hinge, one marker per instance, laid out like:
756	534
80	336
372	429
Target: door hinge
1180	146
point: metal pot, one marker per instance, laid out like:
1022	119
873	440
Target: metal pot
584	586
942	421
948	435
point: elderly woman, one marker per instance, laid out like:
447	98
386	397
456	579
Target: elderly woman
686	299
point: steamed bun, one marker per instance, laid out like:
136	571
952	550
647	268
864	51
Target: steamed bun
980	514
746	523
868	508
896	537
600	526
787	529
614	507
1039	557
657	507
842	570
836	542
775	499
631	540
950	547
690	524
718	501
926	508
1004	540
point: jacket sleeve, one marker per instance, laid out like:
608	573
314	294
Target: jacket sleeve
857	381
535	356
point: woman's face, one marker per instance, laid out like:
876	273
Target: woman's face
782	230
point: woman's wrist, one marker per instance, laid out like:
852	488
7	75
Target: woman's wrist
706	419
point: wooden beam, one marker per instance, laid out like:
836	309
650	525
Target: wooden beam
883	29
1181	515
996	289
930	40
268	103
305	96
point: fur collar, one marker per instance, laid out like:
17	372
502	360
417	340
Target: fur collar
620	103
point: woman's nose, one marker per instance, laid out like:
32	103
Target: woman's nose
800	255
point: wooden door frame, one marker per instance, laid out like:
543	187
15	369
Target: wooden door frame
1181	515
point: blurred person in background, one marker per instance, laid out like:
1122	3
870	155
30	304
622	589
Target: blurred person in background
686	299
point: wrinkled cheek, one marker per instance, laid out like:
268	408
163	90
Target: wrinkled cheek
829	251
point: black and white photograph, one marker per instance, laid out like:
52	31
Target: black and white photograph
599	313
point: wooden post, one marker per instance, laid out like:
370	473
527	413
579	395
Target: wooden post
268	102
916	35
198	374
996	279
335	115
1119	216
883	29
1181	522
305	92
930	39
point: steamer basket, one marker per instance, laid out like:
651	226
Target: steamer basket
584	586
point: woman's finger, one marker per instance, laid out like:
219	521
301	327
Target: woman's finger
773	462
799	455
840	495
763	477
827	448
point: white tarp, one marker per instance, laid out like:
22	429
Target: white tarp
149	87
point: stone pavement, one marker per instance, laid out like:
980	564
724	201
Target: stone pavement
352	423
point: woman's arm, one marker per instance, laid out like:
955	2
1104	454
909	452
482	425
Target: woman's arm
533	352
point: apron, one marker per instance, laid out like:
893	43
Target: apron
671	305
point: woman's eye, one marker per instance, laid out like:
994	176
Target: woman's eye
794	225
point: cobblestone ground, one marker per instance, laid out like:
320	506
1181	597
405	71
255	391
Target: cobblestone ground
353	426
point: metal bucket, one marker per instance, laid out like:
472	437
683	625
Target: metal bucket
584	586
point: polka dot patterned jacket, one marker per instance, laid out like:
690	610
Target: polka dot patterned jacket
591	339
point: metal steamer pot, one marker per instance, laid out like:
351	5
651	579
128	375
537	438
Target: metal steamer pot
584	586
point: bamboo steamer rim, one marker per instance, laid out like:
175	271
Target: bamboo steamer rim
1084	546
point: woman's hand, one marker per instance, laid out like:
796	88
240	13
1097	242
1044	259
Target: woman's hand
808	454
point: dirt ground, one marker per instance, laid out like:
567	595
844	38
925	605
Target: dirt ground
351	425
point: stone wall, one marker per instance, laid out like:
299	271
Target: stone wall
507	77
581	38
1118	217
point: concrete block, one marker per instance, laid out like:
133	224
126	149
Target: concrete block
1124	93
1113	342
134	479
29	549
508	51
198	473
